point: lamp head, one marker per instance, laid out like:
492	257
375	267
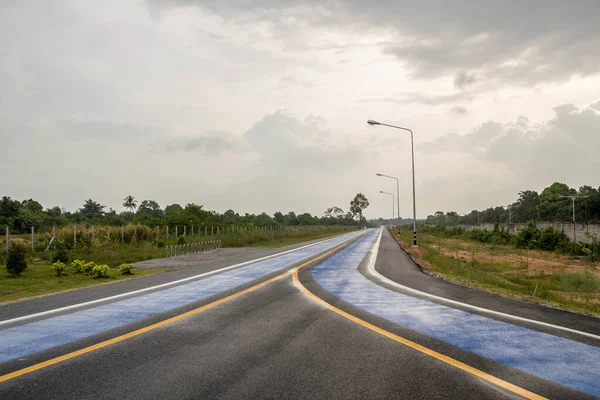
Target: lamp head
371	122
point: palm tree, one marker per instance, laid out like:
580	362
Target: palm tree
130	203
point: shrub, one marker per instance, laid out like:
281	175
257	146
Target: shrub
181	240
61	255
100	271
78	266
16	261
528	236
126	269
159	243
58	268
88	267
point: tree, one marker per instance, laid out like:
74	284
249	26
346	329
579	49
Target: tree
150	213
91	211
334	212
526	206
130	204
358	205
278	216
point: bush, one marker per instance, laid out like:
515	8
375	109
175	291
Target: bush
528	236
126	269
88	267
58	268
78	266
181	240
61	255
159	243
16	261
100	271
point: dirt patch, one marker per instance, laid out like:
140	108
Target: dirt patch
535	262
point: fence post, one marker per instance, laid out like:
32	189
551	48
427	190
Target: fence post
108	232
192	230
92	234
217	230
135	231
211	230
54	235
176	232
205	230
122	234
157	232
32	238
184	229
74	236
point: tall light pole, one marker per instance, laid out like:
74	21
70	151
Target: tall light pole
391	194
397	193
573	198
412	145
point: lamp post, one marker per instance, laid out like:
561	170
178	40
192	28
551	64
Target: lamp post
412	144
391	194
573	198
397	194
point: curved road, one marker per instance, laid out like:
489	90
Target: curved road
337	327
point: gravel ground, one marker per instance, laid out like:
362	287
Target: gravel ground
194	260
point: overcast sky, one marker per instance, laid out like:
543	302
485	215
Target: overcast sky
262	105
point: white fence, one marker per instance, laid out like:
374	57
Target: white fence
191	248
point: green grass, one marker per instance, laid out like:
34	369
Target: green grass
38	279
114	253
573	291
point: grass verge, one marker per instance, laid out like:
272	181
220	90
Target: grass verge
507	271
38	280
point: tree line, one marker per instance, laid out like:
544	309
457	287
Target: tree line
20	216
553	204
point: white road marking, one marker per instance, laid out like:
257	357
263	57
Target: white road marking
163	285
371	268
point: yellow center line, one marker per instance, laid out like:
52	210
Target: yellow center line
148	328
448	360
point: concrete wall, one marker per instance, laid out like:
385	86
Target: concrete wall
567	228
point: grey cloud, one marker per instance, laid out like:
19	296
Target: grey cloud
213	144
96	129
420	98
557	149
520	43
459	110
463	79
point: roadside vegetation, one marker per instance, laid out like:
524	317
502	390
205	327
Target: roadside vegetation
538	266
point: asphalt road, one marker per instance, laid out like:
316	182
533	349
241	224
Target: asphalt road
276	342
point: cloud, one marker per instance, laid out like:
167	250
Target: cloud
458	110
463	79
540	153
522	44
420	98
213	144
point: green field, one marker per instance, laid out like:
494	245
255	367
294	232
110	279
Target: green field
38	280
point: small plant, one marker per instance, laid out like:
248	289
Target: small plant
58	268
61	255
16	261
159	243
88	267
100	271
126	269
78	266
181	240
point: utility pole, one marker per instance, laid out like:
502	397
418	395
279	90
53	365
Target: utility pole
573	199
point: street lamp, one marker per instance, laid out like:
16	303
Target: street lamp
391	194
412	145
397	193
573	198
